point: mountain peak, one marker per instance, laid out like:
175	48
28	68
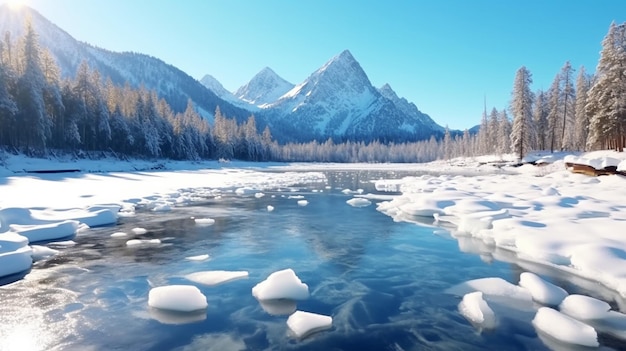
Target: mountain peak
264	88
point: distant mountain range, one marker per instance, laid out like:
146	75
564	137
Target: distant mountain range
336	101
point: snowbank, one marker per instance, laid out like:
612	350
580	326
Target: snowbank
543	214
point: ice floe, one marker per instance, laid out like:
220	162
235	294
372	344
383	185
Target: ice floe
565	328
215	277
204	221
142	242
303	323
542	291
282	284
359	202
198	257
270	208
584	307
303	202
476	310
181	298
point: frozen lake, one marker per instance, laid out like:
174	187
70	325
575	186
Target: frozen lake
383	282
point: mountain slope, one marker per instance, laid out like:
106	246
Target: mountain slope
170	83
264	88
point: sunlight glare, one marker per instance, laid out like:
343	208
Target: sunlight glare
15	4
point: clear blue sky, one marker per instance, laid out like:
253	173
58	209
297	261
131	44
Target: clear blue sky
443	55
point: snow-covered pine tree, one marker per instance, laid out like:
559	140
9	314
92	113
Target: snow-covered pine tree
568	101
554	122
540	118
33	123
581	129
504	133
521	108
607	97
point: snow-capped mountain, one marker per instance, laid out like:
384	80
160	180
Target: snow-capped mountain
338	101
264	88
409	109
172	84
216	87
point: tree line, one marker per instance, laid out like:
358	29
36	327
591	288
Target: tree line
40	113
575	114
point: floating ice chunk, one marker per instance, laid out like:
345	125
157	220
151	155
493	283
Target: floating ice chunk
15	261
584	307
216	277
44	232
41	252
140	242
204	221
476	310
281	285
270	208
305	323
491	286
139	231
182	298
162	208
542	291
244	191
302	203
564	328
295	197
359	202
198	258
259	195
119	235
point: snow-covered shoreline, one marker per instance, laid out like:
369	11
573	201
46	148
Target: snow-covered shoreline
543	214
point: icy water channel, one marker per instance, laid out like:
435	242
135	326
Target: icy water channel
383	282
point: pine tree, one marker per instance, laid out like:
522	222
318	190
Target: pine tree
521	108
33	122
568	100
504	133
607	97
540	119
582	118
554	122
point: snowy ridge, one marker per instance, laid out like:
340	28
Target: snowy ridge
216	87
264	88
170	83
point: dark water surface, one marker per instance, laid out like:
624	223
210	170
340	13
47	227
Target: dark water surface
382	282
